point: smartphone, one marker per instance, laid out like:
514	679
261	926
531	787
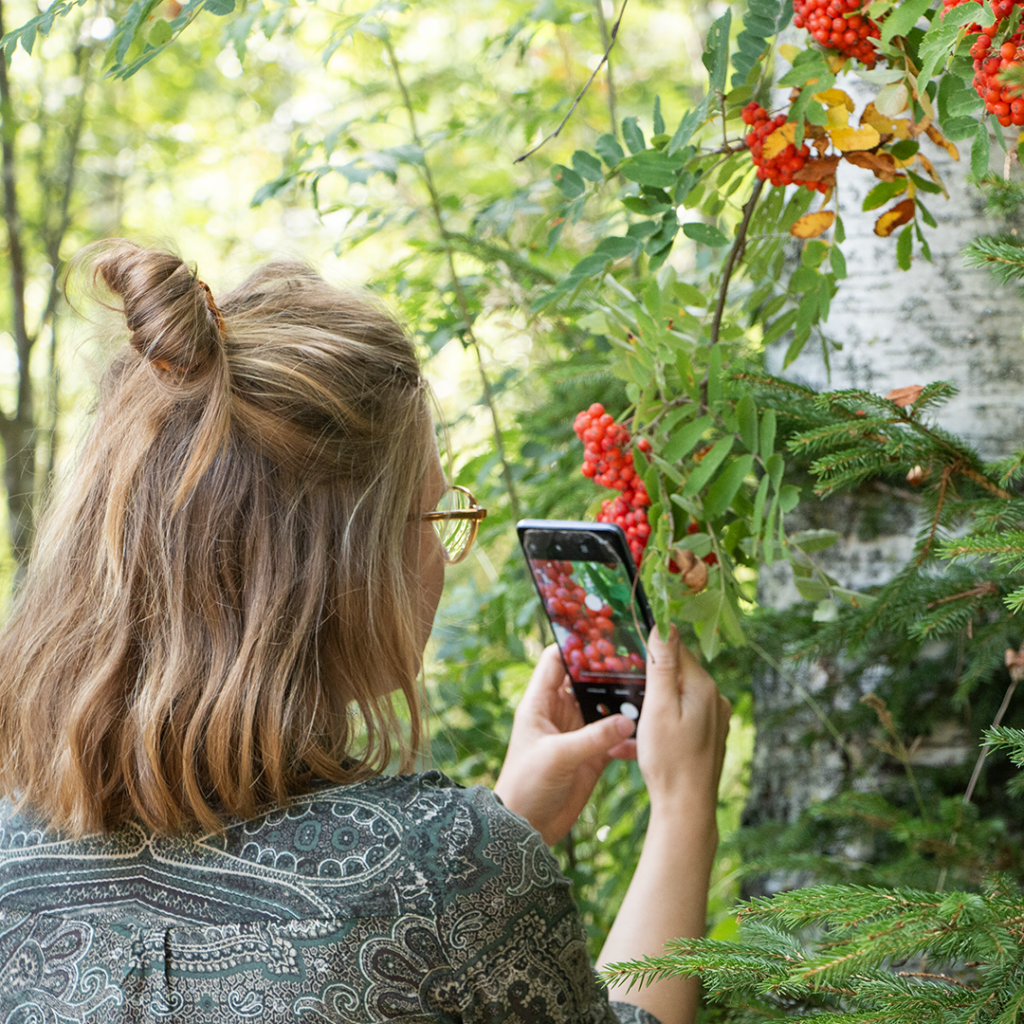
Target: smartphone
590	591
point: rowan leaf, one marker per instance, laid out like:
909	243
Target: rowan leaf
882	165
811	225
893	218
865	137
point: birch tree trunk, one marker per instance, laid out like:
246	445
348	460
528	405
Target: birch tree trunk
938	321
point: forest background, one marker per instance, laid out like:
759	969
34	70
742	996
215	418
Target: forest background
634	259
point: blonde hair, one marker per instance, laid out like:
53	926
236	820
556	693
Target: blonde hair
226	572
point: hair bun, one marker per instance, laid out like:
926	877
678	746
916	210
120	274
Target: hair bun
173	318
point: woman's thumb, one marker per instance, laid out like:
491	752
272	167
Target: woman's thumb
596	739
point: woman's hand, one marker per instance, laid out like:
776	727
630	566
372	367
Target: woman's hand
554	760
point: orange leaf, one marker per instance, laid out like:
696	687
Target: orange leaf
819	169
905	396
900	127
813	224
882	165
894	218
940	140
865	137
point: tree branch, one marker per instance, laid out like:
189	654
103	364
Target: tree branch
12	217
583	91
607	44
734	254
460	295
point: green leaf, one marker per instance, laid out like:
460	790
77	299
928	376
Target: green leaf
632	135
768	424
587	166
956	129
838	261
903	19
776	466
570	183
688	295
715	378
716	53
618	247
161	33
969	13
980	150
707	467
789	497
705	234
904	247
657	120
219	7
905	148
883	192
691	121
682	441
721	493
759	500
814	540
746	416
651	168
609	150
780	326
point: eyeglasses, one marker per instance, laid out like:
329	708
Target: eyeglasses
456	520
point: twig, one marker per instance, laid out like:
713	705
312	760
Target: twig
1015	676
978	590
943	485
583	91
460	295
606	43
805	696
734	254
937	977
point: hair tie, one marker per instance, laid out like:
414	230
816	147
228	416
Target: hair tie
218	316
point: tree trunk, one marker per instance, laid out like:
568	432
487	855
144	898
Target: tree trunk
938	321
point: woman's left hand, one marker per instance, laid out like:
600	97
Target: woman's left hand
554	760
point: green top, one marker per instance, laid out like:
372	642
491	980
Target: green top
404	898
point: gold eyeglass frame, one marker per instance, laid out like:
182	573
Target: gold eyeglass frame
473	515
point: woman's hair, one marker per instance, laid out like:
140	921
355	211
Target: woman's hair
224	578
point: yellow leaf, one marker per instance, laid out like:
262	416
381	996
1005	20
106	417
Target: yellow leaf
778	140
865	137
835	97
835	65
810	225
885	125
788	51
837	116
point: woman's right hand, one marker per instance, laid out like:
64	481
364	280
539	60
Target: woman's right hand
680	748
682	731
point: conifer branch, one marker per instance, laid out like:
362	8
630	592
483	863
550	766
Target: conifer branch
1001	254
947	473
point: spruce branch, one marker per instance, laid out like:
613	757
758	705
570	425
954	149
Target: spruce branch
1001	254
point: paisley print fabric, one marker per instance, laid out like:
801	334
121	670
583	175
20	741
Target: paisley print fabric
398	899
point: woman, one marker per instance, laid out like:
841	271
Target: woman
196	706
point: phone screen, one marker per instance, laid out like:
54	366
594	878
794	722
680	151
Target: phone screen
591	608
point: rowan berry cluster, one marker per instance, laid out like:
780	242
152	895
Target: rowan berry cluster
608	461
1002	100
779	169
839	25
585	617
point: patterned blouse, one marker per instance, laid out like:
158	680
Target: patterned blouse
402	898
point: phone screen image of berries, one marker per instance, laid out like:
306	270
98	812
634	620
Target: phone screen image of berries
590	608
